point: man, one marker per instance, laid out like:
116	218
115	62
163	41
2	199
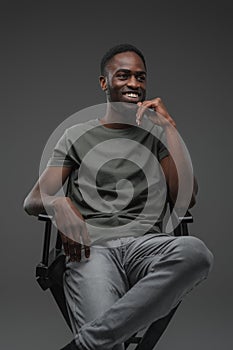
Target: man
122	273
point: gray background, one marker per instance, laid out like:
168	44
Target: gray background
50	53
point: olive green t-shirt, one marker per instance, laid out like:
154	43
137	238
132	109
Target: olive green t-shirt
116	181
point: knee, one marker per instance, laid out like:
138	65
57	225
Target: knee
196	256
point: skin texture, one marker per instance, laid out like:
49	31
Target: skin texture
124	73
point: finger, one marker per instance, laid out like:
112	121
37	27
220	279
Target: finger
72	251
86	241
65	244
87	251
78	247
156	118
143	107
66	248
164	120
85	236
139	114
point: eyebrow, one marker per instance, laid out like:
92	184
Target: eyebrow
129	71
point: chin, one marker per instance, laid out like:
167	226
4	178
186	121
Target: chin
126	112
124	106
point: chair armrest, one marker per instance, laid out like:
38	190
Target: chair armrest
44	217
182	228
188	218
47	237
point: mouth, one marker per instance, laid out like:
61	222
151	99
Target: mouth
131	96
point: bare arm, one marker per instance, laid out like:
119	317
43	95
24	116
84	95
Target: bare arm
68	219
171	176
163	118
43	193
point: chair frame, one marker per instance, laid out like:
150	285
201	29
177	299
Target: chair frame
49	275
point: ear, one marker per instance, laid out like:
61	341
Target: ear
103	82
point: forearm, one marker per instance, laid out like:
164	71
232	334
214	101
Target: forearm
179	172
43	195
67	218
35	204
177	166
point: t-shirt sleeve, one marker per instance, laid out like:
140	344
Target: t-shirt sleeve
61	155
162	151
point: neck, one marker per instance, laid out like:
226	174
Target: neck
118	116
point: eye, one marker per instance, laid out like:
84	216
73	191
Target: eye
141	77
122	76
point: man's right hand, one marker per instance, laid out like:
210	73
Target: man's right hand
72	228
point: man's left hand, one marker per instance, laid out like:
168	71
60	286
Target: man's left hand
159	115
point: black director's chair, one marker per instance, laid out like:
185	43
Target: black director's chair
49	274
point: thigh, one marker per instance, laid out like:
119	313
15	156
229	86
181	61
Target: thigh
93	285
144	252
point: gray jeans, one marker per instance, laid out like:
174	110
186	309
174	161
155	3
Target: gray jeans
128	283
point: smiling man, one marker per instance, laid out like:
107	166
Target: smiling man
122	272
124	77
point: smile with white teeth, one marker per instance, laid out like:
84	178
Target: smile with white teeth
131	94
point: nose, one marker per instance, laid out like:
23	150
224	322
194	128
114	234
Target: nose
133	82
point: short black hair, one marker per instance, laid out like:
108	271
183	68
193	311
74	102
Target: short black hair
119	49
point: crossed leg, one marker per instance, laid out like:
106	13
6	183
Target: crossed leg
123	289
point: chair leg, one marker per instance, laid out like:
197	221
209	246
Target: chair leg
155	331
59	296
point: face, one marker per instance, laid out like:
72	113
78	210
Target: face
125	79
